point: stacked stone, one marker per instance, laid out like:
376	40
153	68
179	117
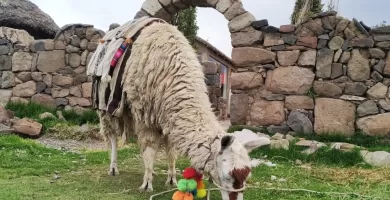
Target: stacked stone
312	78
212	72
53	71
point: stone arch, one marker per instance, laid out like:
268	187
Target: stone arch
233	10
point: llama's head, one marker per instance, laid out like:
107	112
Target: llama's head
231	166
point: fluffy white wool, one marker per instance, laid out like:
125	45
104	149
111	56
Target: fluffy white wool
166	90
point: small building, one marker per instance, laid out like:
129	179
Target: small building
218	83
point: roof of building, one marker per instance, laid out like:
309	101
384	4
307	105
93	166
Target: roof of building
214	49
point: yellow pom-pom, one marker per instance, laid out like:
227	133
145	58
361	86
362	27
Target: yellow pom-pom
202	193
178	195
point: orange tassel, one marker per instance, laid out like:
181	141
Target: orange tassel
178	195
101	41
129	40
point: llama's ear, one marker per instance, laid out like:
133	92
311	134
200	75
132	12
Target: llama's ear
226	141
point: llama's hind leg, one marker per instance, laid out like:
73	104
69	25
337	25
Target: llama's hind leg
149	142
171	156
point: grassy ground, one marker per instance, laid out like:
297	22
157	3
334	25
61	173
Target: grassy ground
27	170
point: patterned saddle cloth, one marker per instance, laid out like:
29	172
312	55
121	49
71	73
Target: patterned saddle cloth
108	63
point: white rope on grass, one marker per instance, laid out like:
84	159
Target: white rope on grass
284	190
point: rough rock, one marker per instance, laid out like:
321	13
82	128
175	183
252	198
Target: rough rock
362	43
376	125
5	62
283	128
240	22
58	92
47	115
377	158
74	60
324	63
367	108
154	8
87	90
341	26
308	41
386	70
44	99
287	58
7	79
290	80
377	53
64	81
355	88
384	104
358	67
299	123
378	91
75	91
287	28
345	57
51	61
246	38
307	58
337	70
336	43
5	96
327	89
258	24
265	113
27	126
271	39
246	80
334	115
21	61
289	39
245	56
376	76
74	101
26	15
299	102
380	66
280	144
239	108
234	10
61	102
26	89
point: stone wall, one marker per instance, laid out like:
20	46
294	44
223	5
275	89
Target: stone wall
51	72
212	72
327	75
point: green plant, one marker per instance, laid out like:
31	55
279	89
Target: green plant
185	20
312	94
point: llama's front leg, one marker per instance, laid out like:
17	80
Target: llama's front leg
114	156
148	156
171	180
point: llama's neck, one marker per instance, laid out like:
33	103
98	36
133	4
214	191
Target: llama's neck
195	135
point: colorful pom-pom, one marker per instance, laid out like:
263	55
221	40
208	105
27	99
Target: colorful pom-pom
191	185
201	193
189	173
182	185
178	195
200	185
194	192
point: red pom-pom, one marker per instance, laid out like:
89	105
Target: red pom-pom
198	176
189	173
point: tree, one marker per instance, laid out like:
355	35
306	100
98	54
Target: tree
313	7
331	5
185	20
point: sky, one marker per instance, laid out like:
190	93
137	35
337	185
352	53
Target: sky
213	26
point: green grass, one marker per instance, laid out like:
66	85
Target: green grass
33	110
27	170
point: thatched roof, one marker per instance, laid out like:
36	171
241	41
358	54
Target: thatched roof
23	14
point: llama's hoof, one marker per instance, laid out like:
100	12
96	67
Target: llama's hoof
171	183
146	188
113	171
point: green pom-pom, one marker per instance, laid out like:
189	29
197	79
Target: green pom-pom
182	185
191	185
